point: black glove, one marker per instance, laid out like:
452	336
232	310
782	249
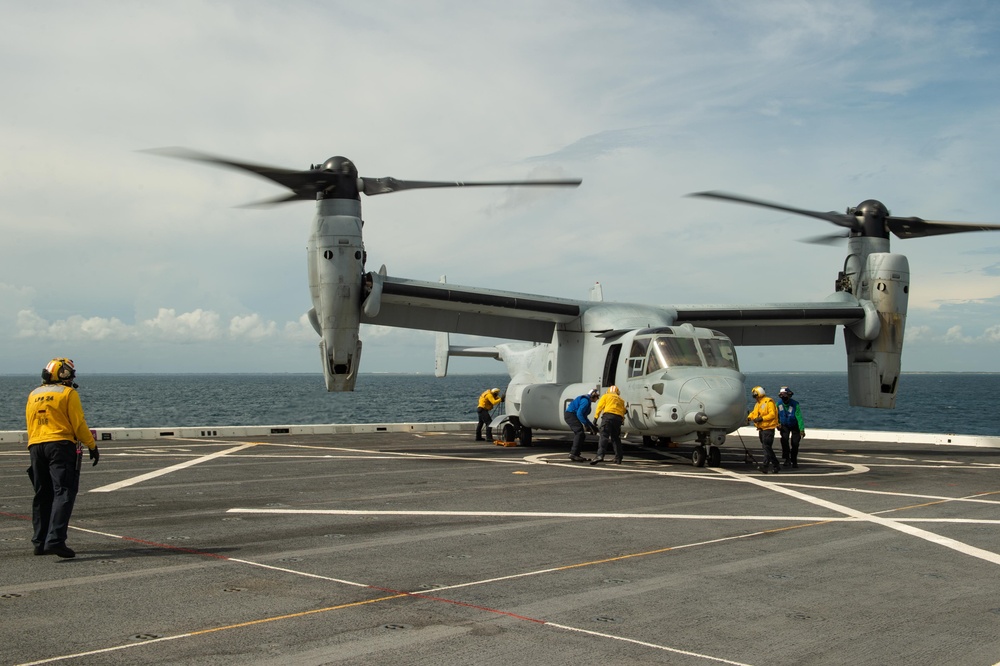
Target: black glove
95	455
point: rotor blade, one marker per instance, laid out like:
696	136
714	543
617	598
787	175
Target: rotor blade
826	239
373	186
840	219
305	184
915	227
267	203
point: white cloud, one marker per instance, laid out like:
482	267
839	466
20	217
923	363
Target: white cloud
915	333
76	327
167	326
953	335
188	326
252	327
300	330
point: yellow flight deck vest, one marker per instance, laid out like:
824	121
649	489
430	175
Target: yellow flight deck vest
766	410
611	404
487	401
54	413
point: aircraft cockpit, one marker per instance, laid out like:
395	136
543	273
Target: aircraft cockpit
669	347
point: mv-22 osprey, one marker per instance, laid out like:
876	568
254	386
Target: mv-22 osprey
675	365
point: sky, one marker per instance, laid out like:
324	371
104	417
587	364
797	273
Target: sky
130	262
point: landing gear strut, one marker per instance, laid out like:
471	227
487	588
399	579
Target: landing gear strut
706	453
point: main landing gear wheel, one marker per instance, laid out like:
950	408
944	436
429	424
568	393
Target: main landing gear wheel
714	456
507	432
699	456
525	438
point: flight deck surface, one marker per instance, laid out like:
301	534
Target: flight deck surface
429	547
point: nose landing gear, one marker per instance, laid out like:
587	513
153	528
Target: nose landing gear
705	453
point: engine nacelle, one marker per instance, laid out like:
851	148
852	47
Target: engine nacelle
873	365
336	255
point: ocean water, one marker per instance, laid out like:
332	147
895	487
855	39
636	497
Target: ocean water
953	403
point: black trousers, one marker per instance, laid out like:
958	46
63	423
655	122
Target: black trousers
611	430
484	420
55	475
767	444
579	434
790	449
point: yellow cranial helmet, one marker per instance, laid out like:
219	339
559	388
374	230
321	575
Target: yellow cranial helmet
58	370
757	392
613	390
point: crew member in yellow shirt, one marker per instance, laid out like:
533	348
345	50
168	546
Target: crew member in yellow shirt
56	431
764	415
610	410
487	401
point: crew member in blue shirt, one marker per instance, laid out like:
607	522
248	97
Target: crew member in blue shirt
791	427
576	417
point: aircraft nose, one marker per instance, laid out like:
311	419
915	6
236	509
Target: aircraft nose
720	399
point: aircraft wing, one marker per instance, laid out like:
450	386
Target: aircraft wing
438	306
448	308
776	323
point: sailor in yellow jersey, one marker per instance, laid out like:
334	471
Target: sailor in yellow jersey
764	415
487	401
56	426
611	411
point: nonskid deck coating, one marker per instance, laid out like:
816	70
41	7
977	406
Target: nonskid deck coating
408	547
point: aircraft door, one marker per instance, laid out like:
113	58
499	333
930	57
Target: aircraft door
611	365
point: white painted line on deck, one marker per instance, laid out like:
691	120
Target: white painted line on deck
897	525
641	466
645	644
403	454
167	470
538	514
866	491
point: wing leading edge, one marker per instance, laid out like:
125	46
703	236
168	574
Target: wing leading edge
442	307
437	306
776	323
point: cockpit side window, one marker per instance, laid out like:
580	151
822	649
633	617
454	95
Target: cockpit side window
654	362
637	356
677	351
719	353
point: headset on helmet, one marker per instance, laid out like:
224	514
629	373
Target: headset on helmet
58	371
757	392
613	389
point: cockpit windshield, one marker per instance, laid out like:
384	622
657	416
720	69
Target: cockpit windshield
719	353
675	351
672	351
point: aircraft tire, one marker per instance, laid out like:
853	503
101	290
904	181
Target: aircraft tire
525	437
714	456
507	432
698	456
